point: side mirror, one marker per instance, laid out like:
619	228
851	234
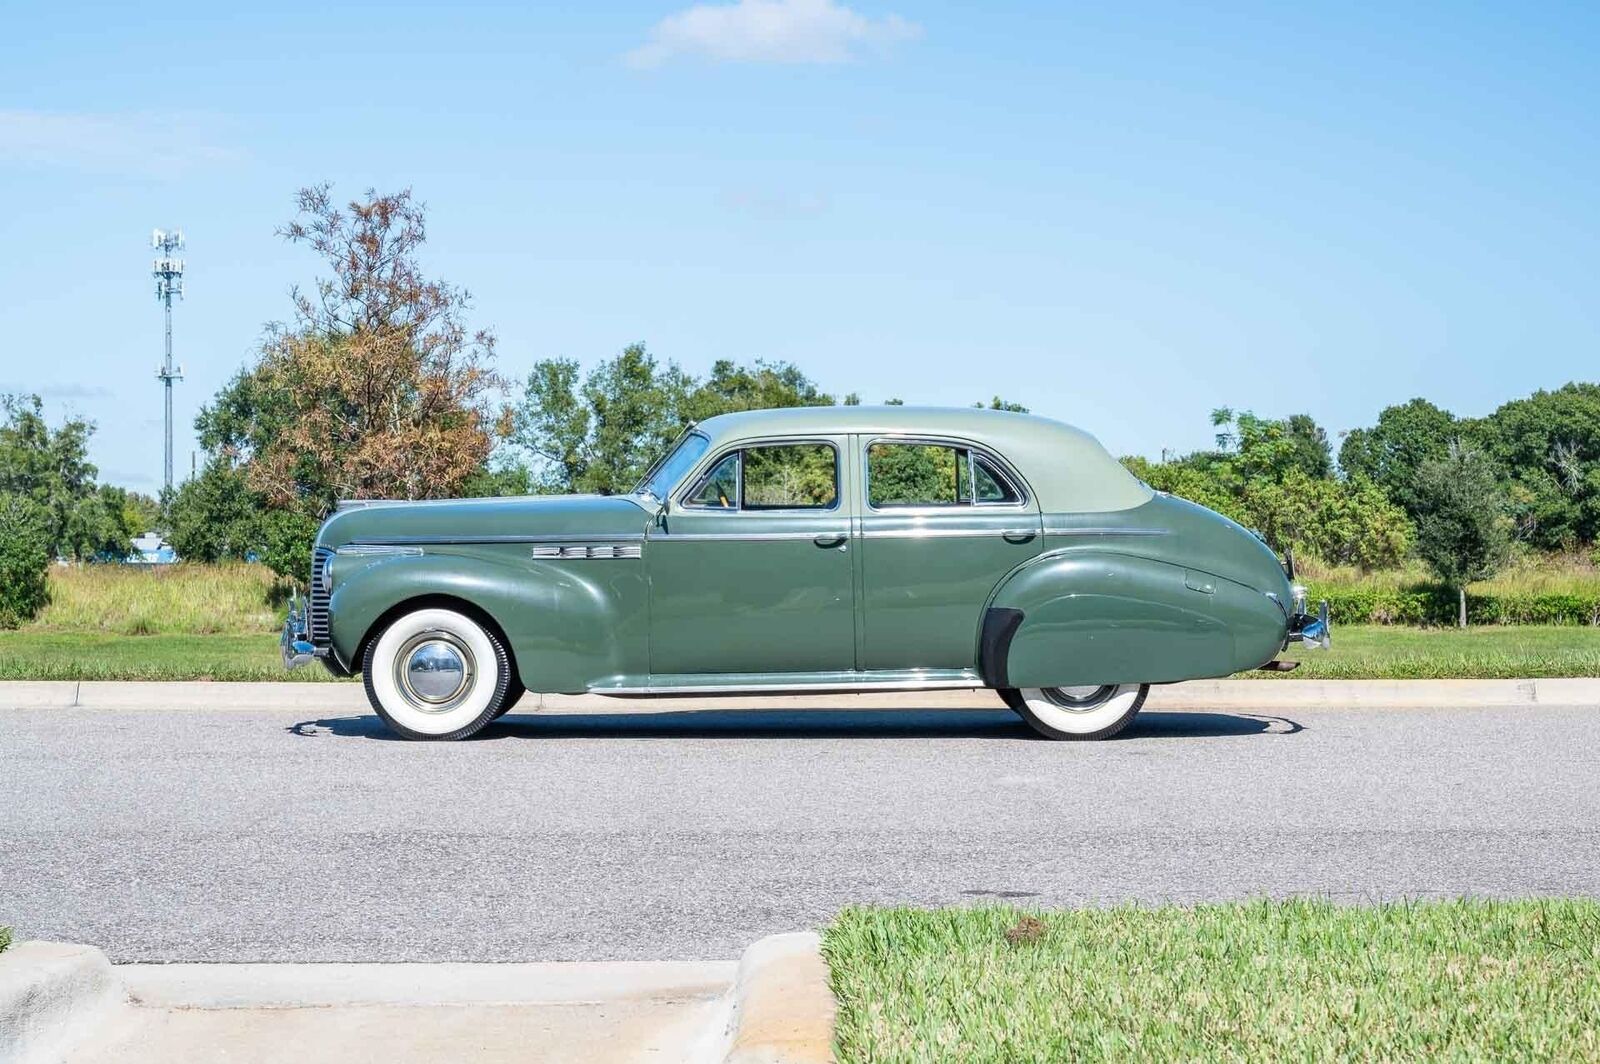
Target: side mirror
661	514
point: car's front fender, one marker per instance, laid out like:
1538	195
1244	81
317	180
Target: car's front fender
568	628
1092	616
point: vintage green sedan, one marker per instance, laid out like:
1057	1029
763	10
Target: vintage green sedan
806	550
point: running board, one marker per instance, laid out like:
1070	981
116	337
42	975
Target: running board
798	685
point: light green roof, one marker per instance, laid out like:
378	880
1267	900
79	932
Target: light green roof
1067	469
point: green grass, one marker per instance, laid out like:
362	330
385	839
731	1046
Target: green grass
1367	652
1262	981
31	655
1388	652
190	599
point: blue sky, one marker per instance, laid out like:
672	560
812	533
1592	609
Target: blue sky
1121	215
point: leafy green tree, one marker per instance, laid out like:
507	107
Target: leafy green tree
1462	529
217	516
762	386
1275	476
1390	453
598	434
25	551
52	468
1546	448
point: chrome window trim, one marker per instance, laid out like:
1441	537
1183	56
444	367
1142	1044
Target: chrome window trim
1024	503
697	477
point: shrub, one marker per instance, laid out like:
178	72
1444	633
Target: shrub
24	559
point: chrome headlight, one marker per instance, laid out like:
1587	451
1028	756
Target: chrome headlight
325	575
1297	595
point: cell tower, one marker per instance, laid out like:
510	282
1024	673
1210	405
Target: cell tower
168	272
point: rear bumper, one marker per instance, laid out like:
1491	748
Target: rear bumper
1311	630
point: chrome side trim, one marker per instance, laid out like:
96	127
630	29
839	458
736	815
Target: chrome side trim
570	551
1105	531
973	684
707	537
945	533
371	550
392	541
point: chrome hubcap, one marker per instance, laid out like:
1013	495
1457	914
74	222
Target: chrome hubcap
1079	699
434	671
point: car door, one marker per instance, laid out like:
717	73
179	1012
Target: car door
942	522
750	566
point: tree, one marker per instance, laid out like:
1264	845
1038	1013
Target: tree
1462	529
1390	453
1275	476
1547	449
376	389
599	434
24	558
216	516
52	469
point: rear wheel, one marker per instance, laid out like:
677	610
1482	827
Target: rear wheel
437	674
1094	711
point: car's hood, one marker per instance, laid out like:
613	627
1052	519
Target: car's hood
484	520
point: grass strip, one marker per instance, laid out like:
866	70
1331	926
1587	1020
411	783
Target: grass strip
1258	981
1367	652
30	655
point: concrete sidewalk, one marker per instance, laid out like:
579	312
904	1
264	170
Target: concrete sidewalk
1197	695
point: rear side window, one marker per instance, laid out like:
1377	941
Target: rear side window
933	474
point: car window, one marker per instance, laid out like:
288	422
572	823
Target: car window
674	464
791	476
989	484
720	488
915	474
933	474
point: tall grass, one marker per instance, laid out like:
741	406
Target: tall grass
192	599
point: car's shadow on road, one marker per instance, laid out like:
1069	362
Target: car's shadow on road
812	724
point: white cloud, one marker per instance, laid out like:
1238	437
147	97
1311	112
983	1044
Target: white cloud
139	144
769	31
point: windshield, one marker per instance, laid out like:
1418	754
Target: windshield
667	471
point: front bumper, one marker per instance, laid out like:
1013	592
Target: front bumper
295	643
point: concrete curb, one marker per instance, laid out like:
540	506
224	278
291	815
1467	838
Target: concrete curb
324	699
780	1009
254	986
53	995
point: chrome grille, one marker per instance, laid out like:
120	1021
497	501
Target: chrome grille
318	619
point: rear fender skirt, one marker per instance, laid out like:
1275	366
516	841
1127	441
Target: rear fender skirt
1000	624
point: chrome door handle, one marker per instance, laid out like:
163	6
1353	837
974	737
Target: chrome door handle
830	539
1018	535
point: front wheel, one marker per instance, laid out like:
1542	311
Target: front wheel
1088	712
437	674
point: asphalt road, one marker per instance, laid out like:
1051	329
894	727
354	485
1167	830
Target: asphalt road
688	833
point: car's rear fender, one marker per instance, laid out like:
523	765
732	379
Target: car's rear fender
1093	616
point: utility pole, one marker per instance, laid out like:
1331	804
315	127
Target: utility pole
168	272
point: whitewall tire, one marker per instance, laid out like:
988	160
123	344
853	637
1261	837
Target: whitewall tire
437	674
1089	712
